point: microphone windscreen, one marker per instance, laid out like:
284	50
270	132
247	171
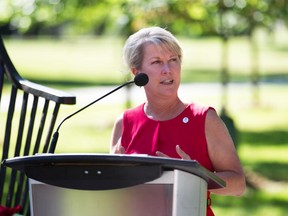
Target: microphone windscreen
141	79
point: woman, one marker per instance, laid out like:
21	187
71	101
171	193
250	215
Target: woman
165	125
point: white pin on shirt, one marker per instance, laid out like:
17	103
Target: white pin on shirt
185	120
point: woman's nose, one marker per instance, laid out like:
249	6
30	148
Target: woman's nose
166	68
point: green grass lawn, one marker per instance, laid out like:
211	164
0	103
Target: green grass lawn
91	61
263	130
263	149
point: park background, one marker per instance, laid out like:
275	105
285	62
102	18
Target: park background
235	56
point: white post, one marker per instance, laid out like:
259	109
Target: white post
189	195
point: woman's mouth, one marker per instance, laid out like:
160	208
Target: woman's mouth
167	82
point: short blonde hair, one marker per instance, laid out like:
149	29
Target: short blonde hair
133	48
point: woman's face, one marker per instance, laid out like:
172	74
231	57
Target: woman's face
163	69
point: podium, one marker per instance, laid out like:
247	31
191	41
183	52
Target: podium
110	185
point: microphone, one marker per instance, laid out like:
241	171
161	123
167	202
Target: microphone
141	79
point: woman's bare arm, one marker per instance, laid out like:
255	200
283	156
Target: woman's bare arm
115	145
223	156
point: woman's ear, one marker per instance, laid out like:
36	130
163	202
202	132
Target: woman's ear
134	71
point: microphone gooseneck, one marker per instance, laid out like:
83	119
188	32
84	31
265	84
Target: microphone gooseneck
140	79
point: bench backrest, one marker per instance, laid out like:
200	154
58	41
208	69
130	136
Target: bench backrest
28	113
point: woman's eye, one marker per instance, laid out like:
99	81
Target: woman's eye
156	62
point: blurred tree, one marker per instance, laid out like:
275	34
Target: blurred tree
185	17
244	18
56	17
224	18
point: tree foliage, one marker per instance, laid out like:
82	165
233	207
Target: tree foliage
187	17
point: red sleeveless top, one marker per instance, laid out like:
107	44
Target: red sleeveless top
142	135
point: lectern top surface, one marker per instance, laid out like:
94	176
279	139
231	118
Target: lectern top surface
72	161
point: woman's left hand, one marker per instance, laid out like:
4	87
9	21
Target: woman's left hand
180	152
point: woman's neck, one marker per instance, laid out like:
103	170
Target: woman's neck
164	110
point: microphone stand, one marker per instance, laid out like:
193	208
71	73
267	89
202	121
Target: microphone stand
56	133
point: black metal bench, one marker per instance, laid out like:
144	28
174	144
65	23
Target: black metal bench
28	113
